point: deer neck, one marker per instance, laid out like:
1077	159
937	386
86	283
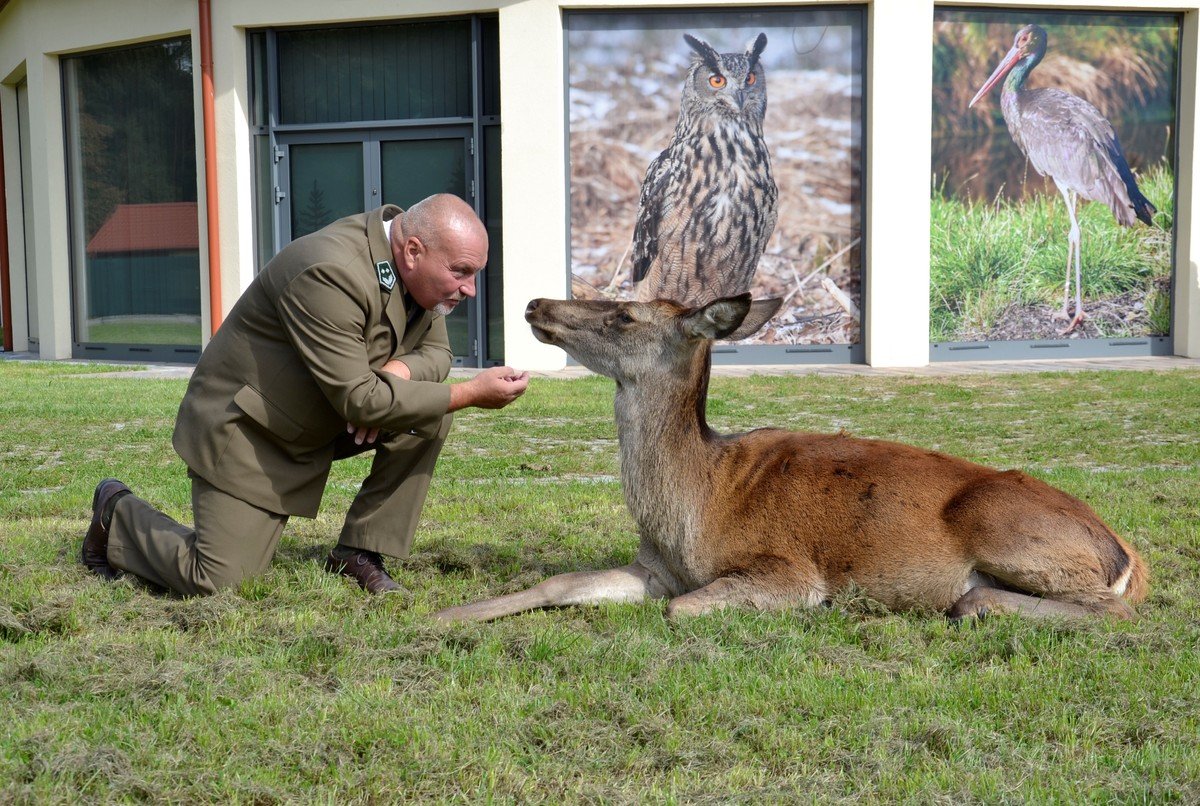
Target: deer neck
666	447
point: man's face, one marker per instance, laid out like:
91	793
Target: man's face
439	278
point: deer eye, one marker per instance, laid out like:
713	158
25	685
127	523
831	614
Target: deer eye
750	79
625	319
716	81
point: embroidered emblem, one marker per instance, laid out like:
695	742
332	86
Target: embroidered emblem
387	277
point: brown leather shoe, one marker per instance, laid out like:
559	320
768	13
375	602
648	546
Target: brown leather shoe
365	568
94	552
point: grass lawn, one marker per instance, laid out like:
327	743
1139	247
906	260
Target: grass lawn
297	687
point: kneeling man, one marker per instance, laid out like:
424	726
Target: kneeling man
339	346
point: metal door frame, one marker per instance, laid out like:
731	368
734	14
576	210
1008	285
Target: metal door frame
281	136
371	139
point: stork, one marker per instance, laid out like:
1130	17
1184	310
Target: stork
1067	139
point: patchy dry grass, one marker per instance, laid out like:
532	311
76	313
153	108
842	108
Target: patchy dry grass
296	687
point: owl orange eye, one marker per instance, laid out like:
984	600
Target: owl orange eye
716	81
750	79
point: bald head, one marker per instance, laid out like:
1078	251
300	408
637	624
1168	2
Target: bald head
440	246
440	218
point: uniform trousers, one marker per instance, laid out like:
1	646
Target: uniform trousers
233	540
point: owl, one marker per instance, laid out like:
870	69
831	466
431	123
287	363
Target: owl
707	206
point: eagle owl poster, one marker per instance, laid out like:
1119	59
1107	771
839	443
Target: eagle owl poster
714	153
1053	178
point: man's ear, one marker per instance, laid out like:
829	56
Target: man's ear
412	251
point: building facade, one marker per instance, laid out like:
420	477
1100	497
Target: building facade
155	155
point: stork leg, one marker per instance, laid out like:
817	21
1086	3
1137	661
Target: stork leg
1065	313
1078	276
1073	253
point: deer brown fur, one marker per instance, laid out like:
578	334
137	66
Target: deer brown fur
772	518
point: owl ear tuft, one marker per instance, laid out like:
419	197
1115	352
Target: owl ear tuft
755	49
705	51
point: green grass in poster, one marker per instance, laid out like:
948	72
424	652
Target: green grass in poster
997	269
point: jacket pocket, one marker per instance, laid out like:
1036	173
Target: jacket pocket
267	414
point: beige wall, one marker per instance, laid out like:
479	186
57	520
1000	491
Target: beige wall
33	35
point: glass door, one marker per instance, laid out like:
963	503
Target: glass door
326	183
411	170
325	176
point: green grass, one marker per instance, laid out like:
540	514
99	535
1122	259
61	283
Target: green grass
296	687
985	257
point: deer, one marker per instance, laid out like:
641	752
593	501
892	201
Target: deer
773	519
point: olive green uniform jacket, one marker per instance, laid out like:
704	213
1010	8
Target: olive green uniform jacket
299	357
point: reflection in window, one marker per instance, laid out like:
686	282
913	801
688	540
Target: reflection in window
134	222
327	184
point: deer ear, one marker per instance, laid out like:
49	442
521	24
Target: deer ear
717	319
761	310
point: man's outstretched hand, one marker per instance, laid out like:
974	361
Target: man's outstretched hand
493	388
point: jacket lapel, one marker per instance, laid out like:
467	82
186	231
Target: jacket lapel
391	290
387	273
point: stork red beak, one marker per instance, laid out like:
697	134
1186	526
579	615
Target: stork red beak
1010	59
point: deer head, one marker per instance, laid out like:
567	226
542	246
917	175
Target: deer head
625	340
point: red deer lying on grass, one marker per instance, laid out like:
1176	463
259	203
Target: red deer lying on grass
772	519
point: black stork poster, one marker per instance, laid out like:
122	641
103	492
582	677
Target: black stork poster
1053	174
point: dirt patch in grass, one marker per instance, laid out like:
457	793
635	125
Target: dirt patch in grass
1118	316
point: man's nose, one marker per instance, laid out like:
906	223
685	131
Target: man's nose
468	286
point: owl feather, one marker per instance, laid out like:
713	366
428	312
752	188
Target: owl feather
708	202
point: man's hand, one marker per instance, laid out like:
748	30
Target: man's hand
362	433
494	388
369	435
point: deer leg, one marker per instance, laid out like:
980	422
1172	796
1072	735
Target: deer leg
982	601
761	592
630	583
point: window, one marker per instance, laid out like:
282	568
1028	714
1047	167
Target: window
131	156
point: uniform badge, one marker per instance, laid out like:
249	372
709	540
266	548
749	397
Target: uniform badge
387	277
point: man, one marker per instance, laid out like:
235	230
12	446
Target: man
339	346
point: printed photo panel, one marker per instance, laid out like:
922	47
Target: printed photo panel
1036	113
714	153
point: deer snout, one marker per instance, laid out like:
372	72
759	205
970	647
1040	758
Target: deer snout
535	315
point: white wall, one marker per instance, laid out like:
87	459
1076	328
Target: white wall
15	214
534	173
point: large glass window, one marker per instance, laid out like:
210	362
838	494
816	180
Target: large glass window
131	152
387	72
